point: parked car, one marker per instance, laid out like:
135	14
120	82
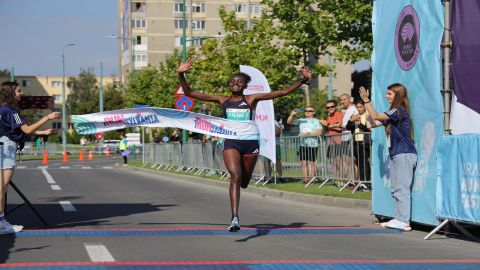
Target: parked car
113	146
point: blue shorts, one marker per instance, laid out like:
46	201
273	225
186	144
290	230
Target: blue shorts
8	152
244	147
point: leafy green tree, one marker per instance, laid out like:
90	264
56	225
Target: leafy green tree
246	46
315	26
83	98
4	72
155	86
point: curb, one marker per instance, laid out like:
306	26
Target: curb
286	195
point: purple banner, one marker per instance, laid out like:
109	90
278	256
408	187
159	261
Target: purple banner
466	53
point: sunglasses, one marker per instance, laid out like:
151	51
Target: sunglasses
330	107
309	111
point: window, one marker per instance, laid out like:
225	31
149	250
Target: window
26	83
178	8
178	24
178	41
197	42
198	7
141	40
138	7
198	25
56	84
56	97
57	125
139	23
240	8
256	8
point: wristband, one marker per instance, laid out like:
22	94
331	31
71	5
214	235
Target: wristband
304	80
367	101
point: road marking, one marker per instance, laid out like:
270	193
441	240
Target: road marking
108	168
21	167
86	167
67	206
64	167
207	231
42	167
55	187
48	176
98	253
264	264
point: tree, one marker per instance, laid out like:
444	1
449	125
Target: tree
155	86
253	46
317	25
5	72
83	98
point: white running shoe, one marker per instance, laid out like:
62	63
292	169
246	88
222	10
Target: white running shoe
234	226
7	228
397	224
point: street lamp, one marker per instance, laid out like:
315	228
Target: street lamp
132	50
64	105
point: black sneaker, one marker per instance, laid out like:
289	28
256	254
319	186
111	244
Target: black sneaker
234	226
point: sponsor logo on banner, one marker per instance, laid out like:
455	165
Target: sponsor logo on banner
407	37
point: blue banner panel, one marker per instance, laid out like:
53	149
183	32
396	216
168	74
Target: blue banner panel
406	39
458	186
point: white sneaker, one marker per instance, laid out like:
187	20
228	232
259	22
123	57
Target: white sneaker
397	224
234	226
7	228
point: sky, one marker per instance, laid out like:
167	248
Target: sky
34	33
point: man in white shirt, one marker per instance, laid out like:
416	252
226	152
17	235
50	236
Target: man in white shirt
350	110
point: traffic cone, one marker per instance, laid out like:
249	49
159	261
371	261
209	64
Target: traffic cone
107	152
65	157
90	156
81	155
45	157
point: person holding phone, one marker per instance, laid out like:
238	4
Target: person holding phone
240	156
310	129
13	127
402	158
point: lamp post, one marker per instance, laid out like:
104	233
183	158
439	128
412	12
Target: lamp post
64	105
132	50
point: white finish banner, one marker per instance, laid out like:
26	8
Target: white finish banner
264	114
163	118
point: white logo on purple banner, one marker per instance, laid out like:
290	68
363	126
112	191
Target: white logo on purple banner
407	36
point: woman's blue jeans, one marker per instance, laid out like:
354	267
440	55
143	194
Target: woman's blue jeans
402	168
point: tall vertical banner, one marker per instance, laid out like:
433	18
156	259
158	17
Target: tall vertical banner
264	114
406	40
465	116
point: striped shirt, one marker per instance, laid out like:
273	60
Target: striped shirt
10	123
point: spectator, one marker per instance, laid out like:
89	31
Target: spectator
333	125
358	124
310	129
123	147
350	110
176	136
278	149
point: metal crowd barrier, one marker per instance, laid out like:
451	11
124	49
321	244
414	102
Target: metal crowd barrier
343	160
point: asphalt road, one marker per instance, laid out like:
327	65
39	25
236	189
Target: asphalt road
102	215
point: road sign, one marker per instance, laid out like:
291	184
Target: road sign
100	136
184	103
179	91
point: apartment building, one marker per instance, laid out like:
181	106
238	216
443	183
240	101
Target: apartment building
152	29
49	86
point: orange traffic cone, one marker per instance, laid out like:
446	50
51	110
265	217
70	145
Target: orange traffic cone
107	152
45	157
81	155
65	157
90	156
